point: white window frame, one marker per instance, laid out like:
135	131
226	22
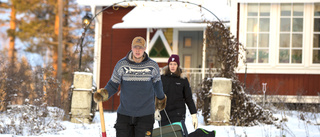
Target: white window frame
256	47
290	48
306	67
312	48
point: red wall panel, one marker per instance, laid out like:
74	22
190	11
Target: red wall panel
283	84
116	43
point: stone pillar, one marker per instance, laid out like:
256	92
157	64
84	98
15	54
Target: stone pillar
81	97
220	101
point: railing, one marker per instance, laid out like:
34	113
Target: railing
194	76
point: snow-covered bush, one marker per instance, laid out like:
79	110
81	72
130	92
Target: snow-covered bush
31	120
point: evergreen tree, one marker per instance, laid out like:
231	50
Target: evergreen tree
36	27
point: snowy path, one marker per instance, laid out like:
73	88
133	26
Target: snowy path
292	128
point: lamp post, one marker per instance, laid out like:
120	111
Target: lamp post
86	20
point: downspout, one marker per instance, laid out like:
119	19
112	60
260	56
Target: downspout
148	40
97	50
204	53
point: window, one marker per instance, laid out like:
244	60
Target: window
258	31
291	33
187	42
316	35
187	61
158	49
280	37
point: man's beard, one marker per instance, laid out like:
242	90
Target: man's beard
137	58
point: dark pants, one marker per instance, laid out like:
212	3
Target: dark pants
127	126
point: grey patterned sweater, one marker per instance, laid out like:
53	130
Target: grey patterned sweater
139	83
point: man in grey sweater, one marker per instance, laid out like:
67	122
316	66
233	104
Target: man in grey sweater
140	81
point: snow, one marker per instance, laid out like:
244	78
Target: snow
293	127
83	73
162	15
174	14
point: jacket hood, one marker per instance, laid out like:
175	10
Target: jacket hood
179	73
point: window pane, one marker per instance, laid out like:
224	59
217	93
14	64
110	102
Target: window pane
263	40
284	40
263	55
187	61
251	40
187	42
252	25
284	56
251	55
252	9
297	9
316	40
264	25
297	24
285	9
317	9
158	49
296	56
296	40
285	25
316	25
264	9
316	56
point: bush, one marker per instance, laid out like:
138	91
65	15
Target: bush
244	111
29	120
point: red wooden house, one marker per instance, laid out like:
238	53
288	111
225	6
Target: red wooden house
168	27
281	38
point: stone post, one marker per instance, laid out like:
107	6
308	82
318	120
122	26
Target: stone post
220	101
81	97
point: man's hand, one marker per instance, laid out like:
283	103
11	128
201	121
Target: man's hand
161	104
157	115
194	121
101	95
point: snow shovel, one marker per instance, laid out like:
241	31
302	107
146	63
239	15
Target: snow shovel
103	128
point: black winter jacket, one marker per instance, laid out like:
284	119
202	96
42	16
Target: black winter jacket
178	92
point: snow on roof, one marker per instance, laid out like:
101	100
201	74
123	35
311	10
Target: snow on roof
125	2
148	14
165	15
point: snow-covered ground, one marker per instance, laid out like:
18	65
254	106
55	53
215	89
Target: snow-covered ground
293	126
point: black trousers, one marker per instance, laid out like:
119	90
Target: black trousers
127	126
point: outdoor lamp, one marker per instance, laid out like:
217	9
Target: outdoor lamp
86	19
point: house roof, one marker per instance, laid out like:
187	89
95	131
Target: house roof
168	14
165	15
122	2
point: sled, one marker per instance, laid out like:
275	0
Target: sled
168	131
176	130
202	133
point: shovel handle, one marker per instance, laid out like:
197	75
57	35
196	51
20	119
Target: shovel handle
103	128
